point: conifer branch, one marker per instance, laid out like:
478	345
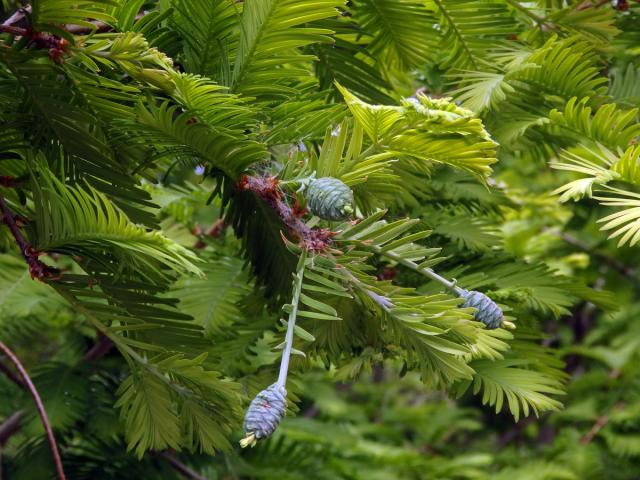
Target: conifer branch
15	31
39	405
267	188
416	268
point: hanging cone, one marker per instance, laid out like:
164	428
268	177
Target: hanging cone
487	311
264	414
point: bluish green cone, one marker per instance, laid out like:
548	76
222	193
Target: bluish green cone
330	199
487	311
264	414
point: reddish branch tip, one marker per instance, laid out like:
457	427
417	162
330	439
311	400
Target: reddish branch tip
267	188
387	273
7	181
317	239
37	269
622	5
299	210
57	46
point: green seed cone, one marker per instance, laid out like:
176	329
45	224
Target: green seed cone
487	311
264	414
330	199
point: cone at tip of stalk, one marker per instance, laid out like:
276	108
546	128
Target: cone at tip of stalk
487	311
264	414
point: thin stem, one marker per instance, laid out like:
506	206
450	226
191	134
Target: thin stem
40	406
291	323
608	260
536	18
15	31
10	375
10	426
37	269
180	467
599	424
415	267
99	350
17	15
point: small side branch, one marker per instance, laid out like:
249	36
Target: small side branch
599	424
214	231
10	426
17	16
268	189
37	268
180	467
298	278
99	350
39	405
11	376
606	259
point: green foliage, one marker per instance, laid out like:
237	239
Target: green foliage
461	128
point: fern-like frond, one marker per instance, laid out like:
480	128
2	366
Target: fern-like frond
350	62
297	121
608	126
595	23
594	163
84	222
268	63
523	389
625	223
48	14
568	68
26	307
402	32
625	86
175	137
427	130
469	29
195	403
70	136
209	31
64	391
213	300
212	105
